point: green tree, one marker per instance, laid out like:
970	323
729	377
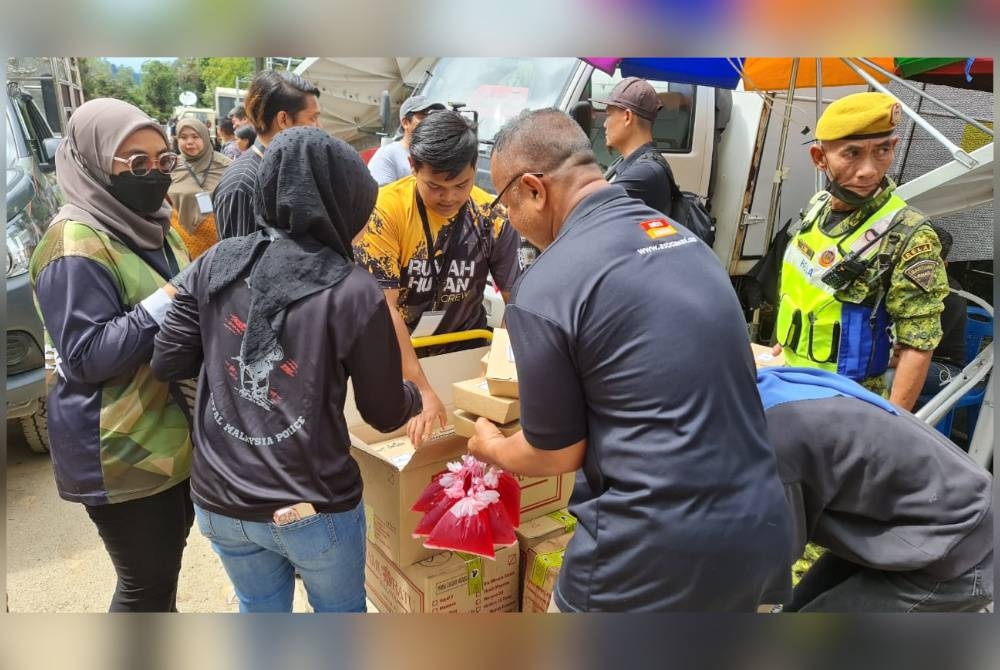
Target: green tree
159	87
99	82
222	72
188	74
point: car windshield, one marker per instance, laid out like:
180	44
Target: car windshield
11	146
499	88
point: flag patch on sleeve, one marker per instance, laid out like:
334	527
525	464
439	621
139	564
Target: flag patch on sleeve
657	228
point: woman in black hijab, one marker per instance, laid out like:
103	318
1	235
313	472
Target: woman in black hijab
281	319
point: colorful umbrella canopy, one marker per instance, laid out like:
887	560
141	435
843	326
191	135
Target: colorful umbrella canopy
974	73
761	74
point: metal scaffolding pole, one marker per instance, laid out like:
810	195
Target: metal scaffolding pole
926	96
956	152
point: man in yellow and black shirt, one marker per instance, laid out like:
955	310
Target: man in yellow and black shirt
438	208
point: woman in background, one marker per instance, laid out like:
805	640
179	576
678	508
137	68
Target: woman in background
194	180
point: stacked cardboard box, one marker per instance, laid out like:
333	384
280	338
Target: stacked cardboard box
446	582
495	396
541	571
501	373
536	531
401	575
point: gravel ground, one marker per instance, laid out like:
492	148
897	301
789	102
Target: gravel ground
57	563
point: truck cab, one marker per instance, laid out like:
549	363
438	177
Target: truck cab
695	129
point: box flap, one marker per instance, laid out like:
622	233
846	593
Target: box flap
501	358
398	451
440	371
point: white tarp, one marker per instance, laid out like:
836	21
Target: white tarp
952	187
350	90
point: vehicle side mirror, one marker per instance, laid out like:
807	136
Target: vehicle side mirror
583	114
49	147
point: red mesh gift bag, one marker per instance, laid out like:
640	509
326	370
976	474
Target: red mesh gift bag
510	495
431	496
465	527
500	525
465	508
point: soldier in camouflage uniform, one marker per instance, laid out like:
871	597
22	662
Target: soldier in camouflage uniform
863	270
120	439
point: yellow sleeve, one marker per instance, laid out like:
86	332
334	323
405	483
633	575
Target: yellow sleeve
380	249
482	200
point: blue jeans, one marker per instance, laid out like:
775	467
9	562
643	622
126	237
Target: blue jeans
261	559
938	374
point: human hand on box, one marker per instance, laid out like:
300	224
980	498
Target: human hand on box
776	350
430	419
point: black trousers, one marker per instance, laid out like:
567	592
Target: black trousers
145	539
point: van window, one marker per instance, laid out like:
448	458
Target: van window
499	88
673	129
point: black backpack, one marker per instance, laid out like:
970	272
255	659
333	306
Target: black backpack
687	208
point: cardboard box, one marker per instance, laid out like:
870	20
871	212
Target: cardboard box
501	373
546	527
485	361
532	533
446	582
473	395
542	570
764	358
395	474
465	424
539	495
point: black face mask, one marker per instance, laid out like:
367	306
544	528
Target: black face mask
850	197
142	194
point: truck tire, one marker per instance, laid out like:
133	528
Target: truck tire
36	429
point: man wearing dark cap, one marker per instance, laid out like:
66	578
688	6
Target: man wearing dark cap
863	269
392	161
628	129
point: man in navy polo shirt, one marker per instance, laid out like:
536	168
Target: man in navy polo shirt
634	367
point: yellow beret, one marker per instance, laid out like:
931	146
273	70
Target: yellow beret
859	116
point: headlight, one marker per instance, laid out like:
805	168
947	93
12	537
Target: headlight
22	238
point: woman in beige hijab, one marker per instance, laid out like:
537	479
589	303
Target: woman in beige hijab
194	180
120	439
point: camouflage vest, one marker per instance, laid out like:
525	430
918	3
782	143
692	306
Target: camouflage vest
145	435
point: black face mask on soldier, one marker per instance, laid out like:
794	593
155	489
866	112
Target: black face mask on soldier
143	194
848	196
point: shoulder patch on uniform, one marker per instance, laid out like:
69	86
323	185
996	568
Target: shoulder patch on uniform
921	273
916	251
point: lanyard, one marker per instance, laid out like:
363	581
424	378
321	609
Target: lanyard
435	268
204	175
